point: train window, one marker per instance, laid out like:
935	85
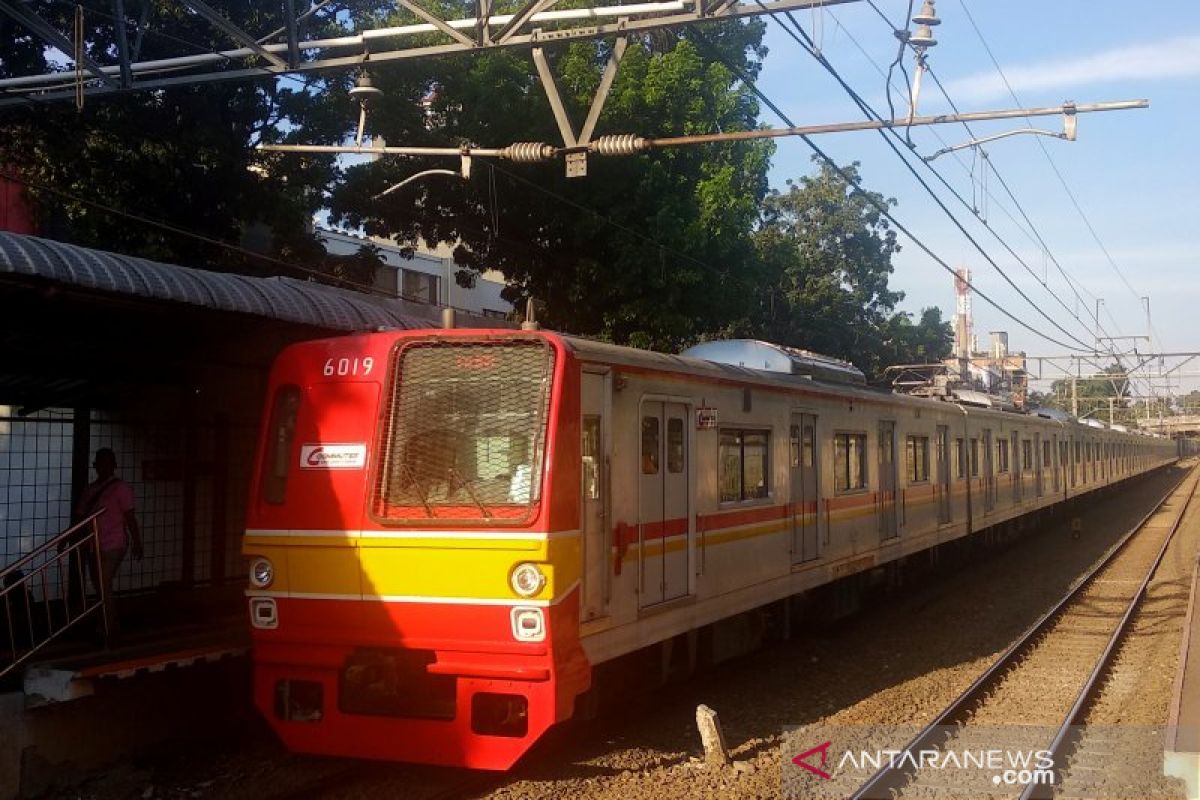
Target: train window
974	458
745	466
1001	455
1045	454
591	457
808	446
960	458
466	432
918	459
886	444
850	461
279	454
675	444
650	445
794	446
1026	454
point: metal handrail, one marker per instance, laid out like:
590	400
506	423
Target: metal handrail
28	628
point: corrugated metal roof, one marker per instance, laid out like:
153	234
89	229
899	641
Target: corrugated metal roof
276	298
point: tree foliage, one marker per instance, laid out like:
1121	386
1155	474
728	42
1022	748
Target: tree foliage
1092	393
824	254
183	156
631	253
657	250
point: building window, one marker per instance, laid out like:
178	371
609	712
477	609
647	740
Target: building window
918	459
1026	455
850	461
1002	455
491	313
960	458
418	286
745	468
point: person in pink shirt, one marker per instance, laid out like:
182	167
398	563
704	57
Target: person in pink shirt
117	526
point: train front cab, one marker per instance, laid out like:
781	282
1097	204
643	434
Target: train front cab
414	547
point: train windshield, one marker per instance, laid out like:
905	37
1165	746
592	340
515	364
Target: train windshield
466	432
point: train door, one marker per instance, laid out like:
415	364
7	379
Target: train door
804	460
664	520
1038	466
1015	454
887	479
943	473
594	493
989	472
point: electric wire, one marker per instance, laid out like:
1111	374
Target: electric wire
806	43
1053	165
934	131
856	186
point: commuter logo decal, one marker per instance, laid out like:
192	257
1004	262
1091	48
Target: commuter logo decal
333	456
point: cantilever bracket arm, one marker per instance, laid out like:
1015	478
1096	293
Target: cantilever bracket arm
46	32
1068	133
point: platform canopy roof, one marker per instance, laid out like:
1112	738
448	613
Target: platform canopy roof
83	326
281	298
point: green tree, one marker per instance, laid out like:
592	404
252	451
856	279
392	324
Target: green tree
1188	403
824	255
182	156
1092	393
652	250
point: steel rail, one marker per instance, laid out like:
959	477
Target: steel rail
890	779
1095	680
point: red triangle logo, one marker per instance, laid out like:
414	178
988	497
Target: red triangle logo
823	749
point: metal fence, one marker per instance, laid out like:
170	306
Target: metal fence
189	483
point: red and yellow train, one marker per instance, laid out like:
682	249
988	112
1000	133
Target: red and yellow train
450	529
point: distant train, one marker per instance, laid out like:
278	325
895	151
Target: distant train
450	529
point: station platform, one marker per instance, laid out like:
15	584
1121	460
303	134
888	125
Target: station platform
1182	756
177	672
70	671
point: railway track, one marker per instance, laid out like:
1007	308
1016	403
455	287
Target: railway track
1029	703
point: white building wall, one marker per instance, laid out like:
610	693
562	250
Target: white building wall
483	298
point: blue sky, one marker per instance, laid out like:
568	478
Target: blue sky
1134	173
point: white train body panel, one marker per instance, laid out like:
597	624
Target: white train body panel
679	541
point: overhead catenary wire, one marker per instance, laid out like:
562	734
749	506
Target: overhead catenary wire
857	188
1053	165
806	43
955	154
987	164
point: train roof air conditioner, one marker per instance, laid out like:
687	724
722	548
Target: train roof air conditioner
772	357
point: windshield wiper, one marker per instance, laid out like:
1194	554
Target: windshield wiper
464	483
417	490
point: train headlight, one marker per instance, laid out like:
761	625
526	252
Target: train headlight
527	580
262	572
